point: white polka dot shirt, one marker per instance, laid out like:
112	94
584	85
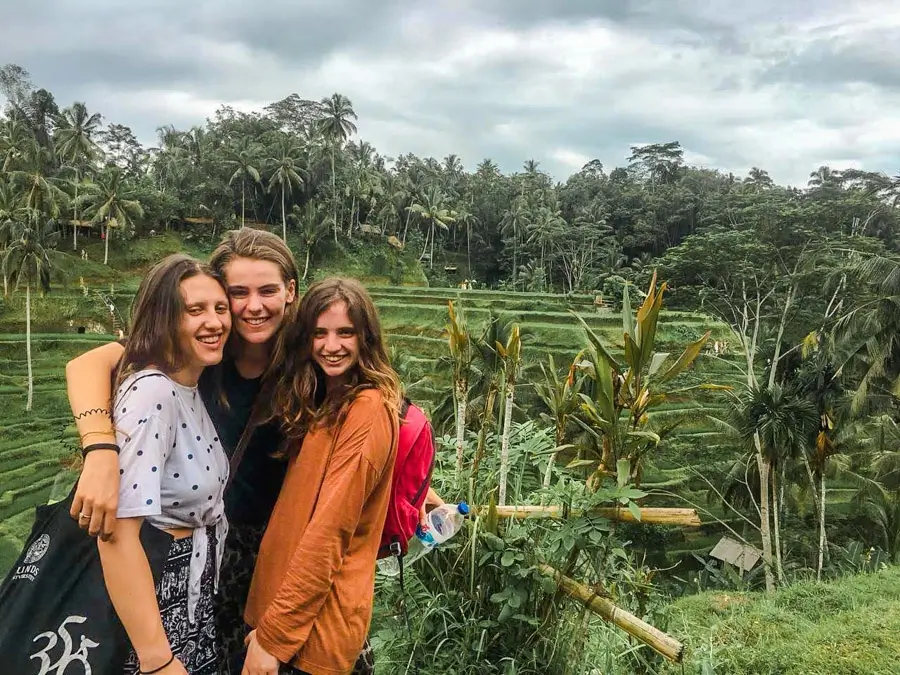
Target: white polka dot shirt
172	466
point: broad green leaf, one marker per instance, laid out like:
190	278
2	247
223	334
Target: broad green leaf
605	394
508	558
632	354
623	471
645	435
659	358
595	341
648	317
687	358
548	585
501	596
635	511
627	316
492	541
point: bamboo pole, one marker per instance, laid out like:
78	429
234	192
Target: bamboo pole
650	516
654	638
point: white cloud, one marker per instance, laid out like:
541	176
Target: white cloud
782	86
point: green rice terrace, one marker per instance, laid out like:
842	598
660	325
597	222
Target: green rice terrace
38	457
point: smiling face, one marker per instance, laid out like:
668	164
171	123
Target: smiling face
258	297
204	326
335	345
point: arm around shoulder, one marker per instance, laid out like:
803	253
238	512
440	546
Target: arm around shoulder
89	387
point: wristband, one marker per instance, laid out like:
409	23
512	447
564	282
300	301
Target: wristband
162	667
99	446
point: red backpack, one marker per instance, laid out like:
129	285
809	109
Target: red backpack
409	485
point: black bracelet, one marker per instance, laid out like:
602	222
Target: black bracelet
156	670
99	446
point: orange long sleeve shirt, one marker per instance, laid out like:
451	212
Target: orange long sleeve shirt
311	596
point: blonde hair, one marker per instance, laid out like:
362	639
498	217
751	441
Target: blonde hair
260	245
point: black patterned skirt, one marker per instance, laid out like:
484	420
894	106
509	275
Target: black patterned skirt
194	644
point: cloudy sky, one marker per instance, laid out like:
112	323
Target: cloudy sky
786	85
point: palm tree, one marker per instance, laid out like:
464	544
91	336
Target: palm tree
74	145
759	180
462	354
432	209
511	353
313	226
394	202
9	206
775	423
26	263
286	176
467	218
544	229
14	138
40	191
870	332
336	127
241	158
515	220
111	202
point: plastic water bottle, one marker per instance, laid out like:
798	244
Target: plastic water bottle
443	522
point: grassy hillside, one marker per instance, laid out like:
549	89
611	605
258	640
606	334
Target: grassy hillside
846	627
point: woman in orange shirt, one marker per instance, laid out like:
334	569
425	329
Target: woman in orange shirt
311	598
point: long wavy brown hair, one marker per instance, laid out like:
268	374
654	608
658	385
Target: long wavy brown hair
300	398
156	315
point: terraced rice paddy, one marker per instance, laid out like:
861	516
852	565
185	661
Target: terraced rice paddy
36	448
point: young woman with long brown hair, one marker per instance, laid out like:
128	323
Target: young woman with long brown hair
311	598
172	470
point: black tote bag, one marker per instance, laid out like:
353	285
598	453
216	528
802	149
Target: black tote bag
55	612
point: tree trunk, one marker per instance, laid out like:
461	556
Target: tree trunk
405	229
431	255
469	250
776	522
352	211
243	201
515	269
504	447
75	223
812	481
461	405
425	248
821	526
283	218
764	468
306	264
548	474
30	399
106	244
334	195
